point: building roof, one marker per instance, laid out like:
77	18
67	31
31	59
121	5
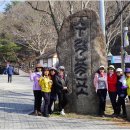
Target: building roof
48	54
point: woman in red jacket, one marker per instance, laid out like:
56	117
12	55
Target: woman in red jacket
112	89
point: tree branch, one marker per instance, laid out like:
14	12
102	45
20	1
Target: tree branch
36	8
53	18
116	16
70	6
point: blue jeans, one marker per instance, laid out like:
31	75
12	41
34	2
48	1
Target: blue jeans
46	97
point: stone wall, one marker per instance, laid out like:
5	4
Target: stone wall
81	49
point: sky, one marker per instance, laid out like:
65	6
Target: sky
3	4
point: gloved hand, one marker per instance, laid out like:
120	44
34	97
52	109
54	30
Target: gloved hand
124	87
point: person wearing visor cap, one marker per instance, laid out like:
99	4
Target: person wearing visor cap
112	88
37	90
100	84
122	92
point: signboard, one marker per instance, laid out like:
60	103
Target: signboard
117	59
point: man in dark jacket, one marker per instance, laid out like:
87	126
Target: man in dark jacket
10	72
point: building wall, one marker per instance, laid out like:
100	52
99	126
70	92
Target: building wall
49	62
41	61
55	61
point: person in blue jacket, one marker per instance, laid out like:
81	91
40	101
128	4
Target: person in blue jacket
10	72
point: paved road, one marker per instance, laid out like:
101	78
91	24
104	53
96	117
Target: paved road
16	101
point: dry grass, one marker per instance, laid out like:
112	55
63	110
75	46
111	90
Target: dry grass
118	121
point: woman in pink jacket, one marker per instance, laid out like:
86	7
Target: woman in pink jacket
101	86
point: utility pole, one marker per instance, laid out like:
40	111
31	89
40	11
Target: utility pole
122	41
102	15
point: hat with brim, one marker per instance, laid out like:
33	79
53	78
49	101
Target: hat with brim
39	66
112	67
127	70
53	68
61	68
119	70
102	67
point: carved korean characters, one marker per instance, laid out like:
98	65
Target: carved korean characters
80	45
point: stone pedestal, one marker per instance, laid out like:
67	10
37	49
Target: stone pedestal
81	49
128	110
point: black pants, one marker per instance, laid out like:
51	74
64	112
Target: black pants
102	100
46	97
52	100
63	100
37	100
9	78
121	103
113	96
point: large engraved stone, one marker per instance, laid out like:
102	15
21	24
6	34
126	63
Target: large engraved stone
81	49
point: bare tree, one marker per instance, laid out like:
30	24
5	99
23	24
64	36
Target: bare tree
31	27
113	21
40	23
113	13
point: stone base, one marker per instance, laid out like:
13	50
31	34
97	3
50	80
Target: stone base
128	110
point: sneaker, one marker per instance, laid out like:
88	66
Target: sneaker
101	115
46	115
124	116
62	112
32	113
114	115
39	113
35	113
50	112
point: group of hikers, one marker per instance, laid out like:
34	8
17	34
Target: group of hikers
117	84
48	83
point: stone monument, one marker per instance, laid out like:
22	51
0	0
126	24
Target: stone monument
81	49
